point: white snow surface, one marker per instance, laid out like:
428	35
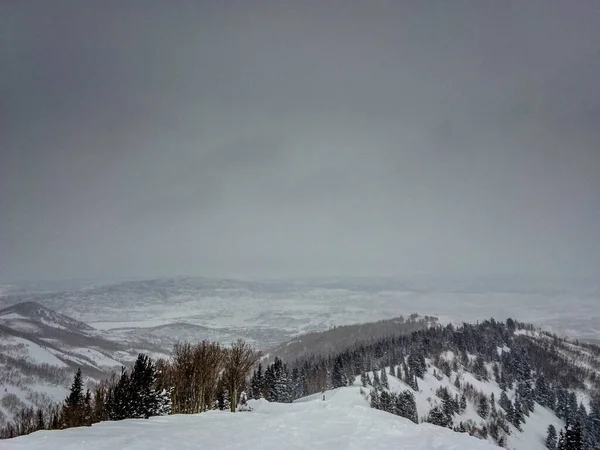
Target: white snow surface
533	434
342	421
30	351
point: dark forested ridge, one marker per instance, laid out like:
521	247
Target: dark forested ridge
343	337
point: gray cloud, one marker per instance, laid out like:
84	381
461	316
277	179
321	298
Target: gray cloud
299	138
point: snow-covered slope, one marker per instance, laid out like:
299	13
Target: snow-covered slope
30	314
40	350
533	433
342	421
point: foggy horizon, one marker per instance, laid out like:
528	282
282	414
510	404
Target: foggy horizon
299	139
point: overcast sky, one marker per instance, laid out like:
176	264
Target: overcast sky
282	139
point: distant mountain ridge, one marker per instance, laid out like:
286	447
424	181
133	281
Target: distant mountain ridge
35	312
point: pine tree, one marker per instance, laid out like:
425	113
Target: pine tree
562	408
504	401
338	377
87	409
572	437
593	427
385	402
437	417
363	379
542	393
463	403
483	408
374	398
384	379
518	418
561	445
72	413
551	438
282	386
256	384
407	406
39	420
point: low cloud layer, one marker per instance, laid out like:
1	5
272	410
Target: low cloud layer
299	138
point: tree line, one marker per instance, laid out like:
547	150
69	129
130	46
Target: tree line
196	378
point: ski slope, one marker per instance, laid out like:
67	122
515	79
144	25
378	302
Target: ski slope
342	421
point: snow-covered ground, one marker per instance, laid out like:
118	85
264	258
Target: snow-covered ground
17	347
342	421
533	434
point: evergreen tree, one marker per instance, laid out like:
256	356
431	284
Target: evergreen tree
561	445
463	403
483	408
87	409
406	406
338	377
593	424
384	379
457	383
562	407
504	401
282	386
363	379
479	369
39	420
385	402
542	393
256	383
551	438
518	418
572	437
437	417
119	405
72	413
374	398
376	381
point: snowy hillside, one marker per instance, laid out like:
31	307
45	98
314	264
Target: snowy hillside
343	421
40	350
532	434
507	383
28	314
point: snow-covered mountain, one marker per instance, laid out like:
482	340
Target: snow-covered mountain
505	383
40	347
343	421
32	317
40	350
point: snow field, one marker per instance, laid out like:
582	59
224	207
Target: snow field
343	421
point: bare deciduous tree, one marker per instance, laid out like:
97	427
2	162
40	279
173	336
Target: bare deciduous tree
239	360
